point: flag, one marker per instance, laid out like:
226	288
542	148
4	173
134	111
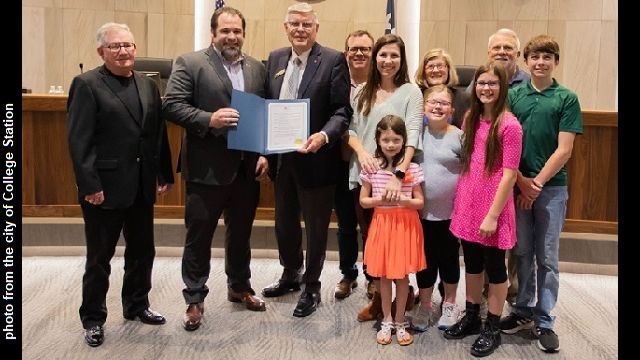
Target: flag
219	4
391	18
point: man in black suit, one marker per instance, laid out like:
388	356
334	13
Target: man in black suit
219	180
121	157
305	180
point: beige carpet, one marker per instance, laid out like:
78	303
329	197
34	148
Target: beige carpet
587	320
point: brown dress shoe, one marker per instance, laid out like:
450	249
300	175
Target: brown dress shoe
371	289
372	310
193	316
248	297
343	288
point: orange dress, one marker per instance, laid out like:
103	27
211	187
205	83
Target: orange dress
395	243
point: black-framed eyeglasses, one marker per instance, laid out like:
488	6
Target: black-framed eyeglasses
115	47
363	49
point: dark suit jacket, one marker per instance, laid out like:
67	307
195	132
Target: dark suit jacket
198	86
326	83
111	151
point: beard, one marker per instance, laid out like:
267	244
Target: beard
231	52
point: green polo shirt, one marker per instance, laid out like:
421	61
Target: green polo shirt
542	116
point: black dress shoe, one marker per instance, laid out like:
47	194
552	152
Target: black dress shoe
470	324
307	304
280	288
488	341
147	316
94	336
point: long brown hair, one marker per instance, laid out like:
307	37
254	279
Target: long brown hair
368	95
397	125
493	146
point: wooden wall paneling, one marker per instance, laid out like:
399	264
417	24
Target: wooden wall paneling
608	67
155	36
54	176
593	169
28	171
586	29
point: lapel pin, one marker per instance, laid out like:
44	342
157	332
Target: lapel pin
279	73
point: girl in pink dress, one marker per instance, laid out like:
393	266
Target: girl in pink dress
483	211
395	246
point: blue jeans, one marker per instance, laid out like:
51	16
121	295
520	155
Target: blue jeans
538	232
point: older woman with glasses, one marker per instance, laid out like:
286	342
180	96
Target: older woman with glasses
437	68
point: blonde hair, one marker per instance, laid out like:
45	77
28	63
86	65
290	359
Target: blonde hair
437	53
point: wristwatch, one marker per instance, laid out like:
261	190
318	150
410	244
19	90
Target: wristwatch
398	173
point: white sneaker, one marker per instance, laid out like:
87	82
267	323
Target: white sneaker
421	319
450	315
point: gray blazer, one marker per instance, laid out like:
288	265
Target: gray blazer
198	86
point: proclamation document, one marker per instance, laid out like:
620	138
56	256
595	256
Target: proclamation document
268	126
288	125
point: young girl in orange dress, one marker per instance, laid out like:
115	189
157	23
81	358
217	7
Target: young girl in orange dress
395	245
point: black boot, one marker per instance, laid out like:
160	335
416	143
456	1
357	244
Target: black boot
469	324
489	338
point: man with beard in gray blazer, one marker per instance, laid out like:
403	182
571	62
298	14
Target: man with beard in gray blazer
218	180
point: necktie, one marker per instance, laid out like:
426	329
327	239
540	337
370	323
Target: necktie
294	80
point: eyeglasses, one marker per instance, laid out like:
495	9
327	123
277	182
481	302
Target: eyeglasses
363	49
491	84
436	67
115	47
442	103
296	24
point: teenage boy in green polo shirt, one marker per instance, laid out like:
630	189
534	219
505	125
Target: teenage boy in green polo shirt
551	117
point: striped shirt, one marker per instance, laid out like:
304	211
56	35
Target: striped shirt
378	180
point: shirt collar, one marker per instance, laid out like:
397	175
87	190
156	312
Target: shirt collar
303	57
519	77
531	90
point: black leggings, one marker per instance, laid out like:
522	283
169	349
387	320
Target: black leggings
478	257
442	251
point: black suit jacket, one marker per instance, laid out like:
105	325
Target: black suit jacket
198	86
111	151
326	83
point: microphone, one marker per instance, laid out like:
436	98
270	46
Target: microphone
81	68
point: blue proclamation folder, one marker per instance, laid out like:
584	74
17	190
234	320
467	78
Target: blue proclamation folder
251	134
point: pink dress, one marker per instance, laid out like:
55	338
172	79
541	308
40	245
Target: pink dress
476	191
395	244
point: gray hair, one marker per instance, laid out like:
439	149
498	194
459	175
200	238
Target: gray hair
507	32
302	8
101	35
